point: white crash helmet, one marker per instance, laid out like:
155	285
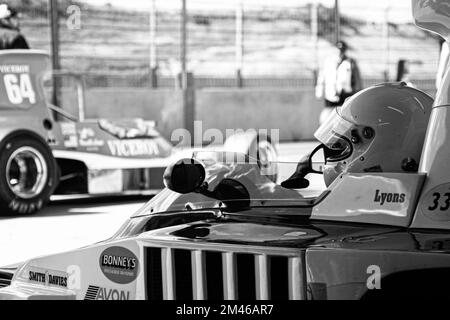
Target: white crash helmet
6	12
379	129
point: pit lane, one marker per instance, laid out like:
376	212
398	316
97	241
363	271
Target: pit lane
68	224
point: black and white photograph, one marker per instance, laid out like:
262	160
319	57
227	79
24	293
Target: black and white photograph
242	152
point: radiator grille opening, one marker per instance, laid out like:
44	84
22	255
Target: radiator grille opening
187	274
214	275
183	274
5	279
246	276
279	278
154	274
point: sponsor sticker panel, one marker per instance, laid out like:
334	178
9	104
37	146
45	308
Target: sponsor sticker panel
48	277
436	203
119	265
102	293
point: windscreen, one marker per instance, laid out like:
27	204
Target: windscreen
234	180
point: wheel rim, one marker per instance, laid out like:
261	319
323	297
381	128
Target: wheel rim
26	172
266	154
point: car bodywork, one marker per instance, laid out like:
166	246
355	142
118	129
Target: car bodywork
191	246
94	157
257	255
368	236
87	151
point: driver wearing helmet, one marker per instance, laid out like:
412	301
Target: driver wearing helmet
379	129
10	36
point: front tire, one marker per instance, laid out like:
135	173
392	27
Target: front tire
266	156
28	175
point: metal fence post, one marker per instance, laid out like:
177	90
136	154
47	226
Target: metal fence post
239	46
183	37
54	31
315	38
153	58
386	43
81	86
337	21
187	79
189	105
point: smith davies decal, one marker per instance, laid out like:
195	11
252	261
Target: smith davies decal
48	277
388	197
119	265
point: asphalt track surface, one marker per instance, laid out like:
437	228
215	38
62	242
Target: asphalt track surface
74	223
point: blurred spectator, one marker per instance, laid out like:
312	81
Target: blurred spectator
10	36
443	62
338	79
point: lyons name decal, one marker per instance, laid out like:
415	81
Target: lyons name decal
388	197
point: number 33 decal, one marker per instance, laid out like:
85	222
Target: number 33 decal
436	198
435	205
18	88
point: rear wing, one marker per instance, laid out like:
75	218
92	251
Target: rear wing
21	78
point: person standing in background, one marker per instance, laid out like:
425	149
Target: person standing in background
403	72
10	36
338	79
443	62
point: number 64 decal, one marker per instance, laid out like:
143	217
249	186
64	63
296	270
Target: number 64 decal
18	88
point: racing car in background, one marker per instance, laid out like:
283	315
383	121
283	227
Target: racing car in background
42	154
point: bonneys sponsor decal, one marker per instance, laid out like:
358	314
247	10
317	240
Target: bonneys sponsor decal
100	293
48	277
119	265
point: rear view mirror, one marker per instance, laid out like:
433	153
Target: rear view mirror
317	161
184	176
310	163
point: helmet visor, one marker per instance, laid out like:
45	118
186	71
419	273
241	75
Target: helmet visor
332	133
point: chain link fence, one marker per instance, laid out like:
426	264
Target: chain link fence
245	43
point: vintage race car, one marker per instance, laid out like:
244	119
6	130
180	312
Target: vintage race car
45	150
225	229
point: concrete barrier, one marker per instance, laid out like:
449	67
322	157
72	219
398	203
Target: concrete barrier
294	112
